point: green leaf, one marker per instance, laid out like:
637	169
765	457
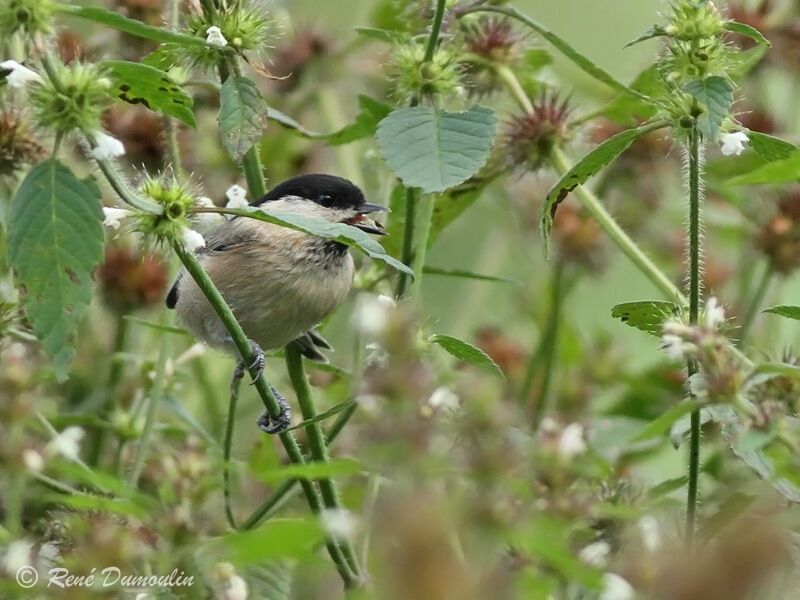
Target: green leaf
325	415
627	109
667	487
662	424
647	315
340	232
450	206
746	61
275	539
535	59
371	112
777	369
747	31
653	32
136	83
97	503
116	21
716	95
382	35
777	171
290	123
467	353
587	167
242	116
462	274
436	150
156	326
770	148
312	470
790	312
55	241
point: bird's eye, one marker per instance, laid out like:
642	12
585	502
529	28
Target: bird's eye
325	200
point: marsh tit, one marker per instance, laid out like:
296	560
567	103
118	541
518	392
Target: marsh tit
279	282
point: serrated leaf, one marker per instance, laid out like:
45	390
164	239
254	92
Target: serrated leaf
790	312
715	93
136	83
587	167
777	171
340	232
647	315
653	32
121	23
462	274
467	353
747	31
371	112
661	425
769	147
450	206
55	242
433	149
242	116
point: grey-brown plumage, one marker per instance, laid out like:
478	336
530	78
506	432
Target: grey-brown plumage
279	282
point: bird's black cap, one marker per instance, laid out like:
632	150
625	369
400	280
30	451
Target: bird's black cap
327	190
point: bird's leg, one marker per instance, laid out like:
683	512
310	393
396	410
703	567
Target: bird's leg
278	424
258	363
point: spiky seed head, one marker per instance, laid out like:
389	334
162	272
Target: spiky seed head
529	139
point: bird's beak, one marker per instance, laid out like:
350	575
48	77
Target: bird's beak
366	224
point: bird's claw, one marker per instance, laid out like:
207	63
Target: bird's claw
279	424
258	363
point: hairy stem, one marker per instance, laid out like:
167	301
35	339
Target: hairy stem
621	239
412	197
694	311
421	247
316	440
436	27
755	303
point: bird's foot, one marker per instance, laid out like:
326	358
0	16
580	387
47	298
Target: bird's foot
279	424
258	363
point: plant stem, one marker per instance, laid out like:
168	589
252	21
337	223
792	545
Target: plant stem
436	27
547	349
755	303
245	350
316	440
285	491
694	311
621	239
170	124
412	196
226	453
511	82
428	202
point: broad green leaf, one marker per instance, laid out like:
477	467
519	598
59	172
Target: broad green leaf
662	424
55	242
339	232
746	61
451	205
770	148
433	149
588	167
467	353
647	315
790	312
653	32
747	31
275	539
462	274
778	171
312	470
242	115
136	83
715	94
116	21
164	57
371	112
97	503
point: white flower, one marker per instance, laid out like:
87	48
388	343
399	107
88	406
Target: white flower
571	442
372	313
443	398
237	197
733	143
339	523
698	385
377	355
192	240
595	554
650	530
232	586
17	555
112	216
107	147
713	313
215	38
616	588
33	460
67	443
20	75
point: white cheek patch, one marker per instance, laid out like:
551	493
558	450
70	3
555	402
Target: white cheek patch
303	206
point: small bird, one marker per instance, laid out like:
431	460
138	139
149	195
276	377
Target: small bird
279	282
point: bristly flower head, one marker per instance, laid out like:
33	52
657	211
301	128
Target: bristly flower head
491	43
414	77
173	224
18	145
529	139
29	16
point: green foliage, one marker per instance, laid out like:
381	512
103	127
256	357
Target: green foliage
466	352
790	312
55	242
660	426
137	83
715	94
784	170
433	149
646	315
242	116
276	539
747	31
316	470
371	112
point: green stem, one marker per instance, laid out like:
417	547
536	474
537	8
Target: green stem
548	348
755	303
226	453
284	492
213	414
428	202
514	87
621	239
694	311
316	440
170	124
436	27
412	197
245	350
